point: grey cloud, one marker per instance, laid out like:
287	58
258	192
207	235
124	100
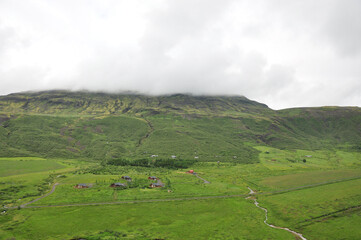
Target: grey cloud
279	52
343	29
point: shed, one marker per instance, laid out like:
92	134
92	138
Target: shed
118	184
155	185
81	185
191	171
127	178
153	178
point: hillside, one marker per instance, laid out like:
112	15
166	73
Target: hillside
65	102
59	124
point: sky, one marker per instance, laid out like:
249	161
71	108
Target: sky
279	52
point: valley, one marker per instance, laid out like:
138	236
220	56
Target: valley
304	166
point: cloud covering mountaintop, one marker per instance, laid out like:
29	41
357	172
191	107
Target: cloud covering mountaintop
282	53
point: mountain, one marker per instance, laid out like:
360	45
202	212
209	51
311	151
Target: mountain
65	102
100	126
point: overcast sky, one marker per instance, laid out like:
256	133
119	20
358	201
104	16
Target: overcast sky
279	52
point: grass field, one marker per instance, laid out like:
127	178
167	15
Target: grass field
205	219
232	142
318	212
24	165
178	181
311	210
23	179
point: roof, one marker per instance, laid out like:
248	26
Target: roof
153	177
157	184
82	184
119	184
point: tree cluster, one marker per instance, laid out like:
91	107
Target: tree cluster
164	163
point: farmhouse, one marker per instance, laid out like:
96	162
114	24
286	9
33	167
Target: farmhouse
81	185
153	178
191	171
118	185
155	185
127	178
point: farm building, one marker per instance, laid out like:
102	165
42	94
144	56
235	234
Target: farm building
118	184
173	156
191	171
81	185
127	178
153	178
155	185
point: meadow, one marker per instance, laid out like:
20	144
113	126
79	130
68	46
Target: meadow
318	210
331	205
18	166
303	164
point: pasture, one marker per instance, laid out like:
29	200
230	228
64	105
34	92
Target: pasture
315	211
203	219
18	166
311	210
29	178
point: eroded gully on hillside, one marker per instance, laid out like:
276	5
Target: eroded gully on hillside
151	129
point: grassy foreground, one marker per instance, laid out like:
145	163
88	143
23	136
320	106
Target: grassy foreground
318	212
304	165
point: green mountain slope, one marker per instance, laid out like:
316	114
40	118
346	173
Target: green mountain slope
107	126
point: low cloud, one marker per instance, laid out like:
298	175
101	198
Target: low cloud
282	53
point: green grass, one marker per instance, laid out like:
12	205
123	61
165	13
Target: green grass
22	181
105	126
308	178
302	209
208	219
238	142
204	219
12	167
181	184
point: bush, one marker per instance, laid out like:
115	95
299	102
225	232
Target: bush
164	163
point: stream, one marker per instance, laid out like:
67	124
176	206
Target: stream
266	214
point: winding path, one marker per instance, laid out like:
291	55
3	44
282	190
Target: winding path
251	192
37	199
205	181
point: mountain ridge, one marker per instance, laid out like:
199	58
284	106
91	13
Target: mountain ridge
101	126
